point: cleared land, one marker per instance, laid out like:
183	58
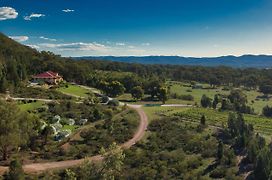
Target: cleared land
261	124
75	90
253	96
30	106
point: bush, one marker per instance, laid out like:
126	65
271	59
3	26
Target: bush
267	111
218	173
188	97
113	102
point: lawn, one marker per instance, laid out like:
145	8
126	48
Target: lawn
70	127
30	106
75	90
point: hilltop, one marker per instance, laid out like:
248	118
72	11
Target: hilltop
245	61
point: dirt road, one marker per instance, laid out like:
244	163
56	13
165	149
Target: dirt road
41	167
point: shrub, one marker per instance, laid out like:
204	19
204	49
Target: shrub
267	111
114	102
218	173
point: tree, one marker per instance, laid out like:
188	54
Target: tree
263	164
205	101
203	120
3	85
152	88
237	96
69	175
265	89
16	127
97	115
113	161
110	167
220	150
267	111
163	94
116	88
16	171
215	101
137	92
46	133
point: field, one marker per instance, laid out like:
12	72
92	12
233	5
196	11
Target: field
261	124
75	90
30	106
182	89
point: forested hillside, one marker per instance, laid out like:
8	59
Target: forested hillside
245	61
20	62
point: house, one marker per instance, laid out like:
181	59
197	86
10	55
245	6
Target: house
48	77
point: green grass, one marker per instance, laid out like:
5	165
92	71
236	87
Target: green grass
30	106
68	127
158	111
75	91
180	89
261	124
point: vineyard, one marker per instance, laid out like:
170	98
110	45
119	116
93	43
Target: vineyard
216	118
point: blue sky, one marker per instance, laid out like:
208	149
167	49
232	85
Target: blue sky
143	27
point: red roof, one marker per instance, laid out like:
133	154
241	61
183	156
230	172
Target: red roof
48	74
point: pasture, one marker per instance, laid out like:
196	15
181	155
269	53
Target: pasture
75	90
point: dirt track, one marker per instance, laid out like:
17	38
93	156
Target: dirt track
41	167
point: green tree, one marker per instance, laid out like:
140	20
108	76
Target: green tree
220	150
113	161
110	167
137	93
47	132
263	164
215	101
69	175
3	85
265	89
97	115
205	101
114	88
163	94
267	111
88	170
16	171
203	120
16	127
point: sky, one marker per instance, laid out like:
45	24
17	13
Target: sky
191	28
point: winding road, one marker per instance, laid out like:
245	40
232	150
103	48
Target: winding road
41	167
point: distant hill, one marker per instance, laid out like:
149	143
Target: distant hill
246	61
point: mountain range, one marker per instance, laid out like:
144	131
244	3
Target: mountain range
245	61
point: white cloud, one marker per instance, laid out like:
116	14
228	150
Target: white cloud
145	44
131	47
78	46
19	38
33	15
8	13
120	44
68	10
33	46
46	38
